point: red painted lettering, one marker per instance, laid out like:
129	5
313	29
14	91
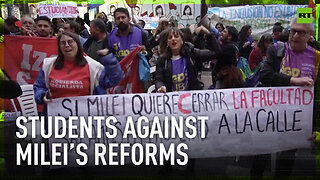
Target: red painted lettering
262	98
184	111
268	96
297	96
304	96
289	94
253	97
243	99
282	100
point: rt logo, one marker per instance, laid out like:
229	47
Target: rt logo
304	15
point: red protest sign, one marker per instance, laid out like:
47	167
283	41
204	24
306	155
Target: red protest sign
172	6
24	55
130	82
131	3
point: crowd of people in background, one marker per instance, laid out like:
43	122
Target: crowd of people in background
175	53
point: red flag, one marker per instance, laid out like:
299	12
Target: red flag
313	6
130	82
23	58
24	55
151	15
131	3
172	6
144	14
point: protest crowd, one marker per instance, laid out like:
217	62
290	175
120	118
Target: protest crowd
92	62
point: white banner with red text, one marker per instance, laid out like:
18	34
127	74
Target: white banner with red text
209	123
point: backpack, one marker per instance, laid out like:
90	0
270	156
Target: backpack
244	67
253	79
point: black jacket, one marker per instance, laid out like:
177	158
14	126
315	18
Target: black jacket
194	56
9	89
270	73
227	56
244	52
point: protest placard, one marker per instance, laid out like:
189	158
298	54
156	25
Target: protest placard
58	9
24	56
130	82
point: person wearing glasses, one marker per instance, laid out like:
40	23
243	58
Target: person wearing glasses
295	67
299	57
73	74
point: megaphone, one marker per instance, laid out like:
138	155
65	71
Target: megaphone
205	21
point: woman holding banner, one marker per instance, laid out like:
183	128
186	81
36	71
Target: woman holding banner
176	66
73	74
176	69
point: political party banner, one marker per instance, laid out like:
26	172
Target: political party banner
260	17
24	56
130	82
58	9
115	129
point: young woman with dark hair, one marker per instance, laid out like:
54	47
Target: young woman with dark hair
259	52
178	58
73	74
245	41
